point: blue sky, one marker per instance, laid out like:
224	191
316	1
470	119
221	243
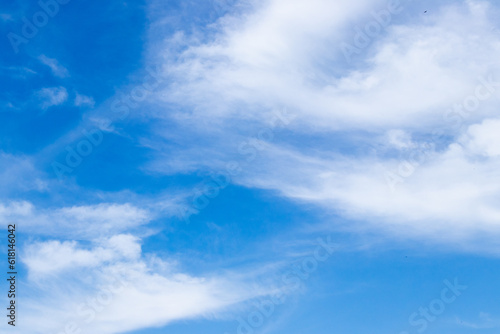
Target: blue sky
240	167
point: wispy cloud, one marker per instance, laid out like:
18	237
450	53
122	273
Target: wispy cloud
19	173
82	222
57	69
82	100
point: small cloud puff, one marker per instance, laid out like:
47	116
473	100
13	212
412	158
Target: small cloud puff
52	96
484	138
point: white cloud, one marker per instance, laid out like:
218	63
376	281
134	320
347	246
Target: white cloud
57	69
82	100
91	283
407	84
53	257
52	96
82	222
287	54
15	209
400	139
93	288
18	173
444	196
484	138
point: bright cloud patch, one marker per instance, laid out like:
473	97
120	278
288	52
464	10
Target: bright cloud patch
485	138
54	257
414	72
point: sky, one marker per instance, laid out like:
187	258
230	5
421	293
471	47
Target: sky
251	166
